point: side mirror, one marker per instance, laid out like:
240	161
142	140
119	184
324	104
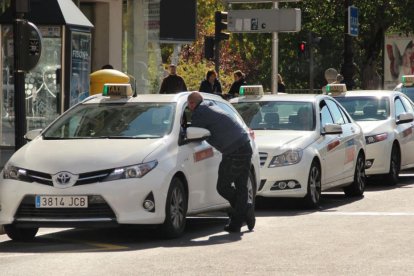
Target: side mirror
332	129
404	118
30	135
197	133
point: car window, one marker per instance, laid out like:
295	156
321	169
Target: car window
366	108
399	107
130	120
335	112
277	115
408	105
229	110
326	117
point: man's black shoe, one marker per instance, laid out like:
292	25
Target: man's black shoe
232	228
250	217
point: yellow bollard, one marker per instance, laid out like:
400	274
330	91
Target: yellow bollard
100	77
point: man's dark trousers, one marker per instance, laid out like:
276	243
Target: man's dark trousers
234	168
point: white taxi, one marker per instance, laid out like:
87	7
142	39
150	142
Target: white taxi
115	159
406	86
307	144
386	118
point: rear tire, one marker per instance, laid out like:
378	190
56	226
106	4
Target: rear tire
313	195
175	210
392	176
20	234
357	187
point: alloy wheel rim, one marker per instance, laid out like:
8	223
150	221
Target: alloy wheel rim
360	174
177	208
314	183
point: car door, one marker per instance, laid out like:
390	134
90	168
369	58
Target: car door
349	133
407	150
201	164
331	149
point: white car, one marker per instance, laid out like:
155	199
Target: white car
406	86
386	118
307	144
115	160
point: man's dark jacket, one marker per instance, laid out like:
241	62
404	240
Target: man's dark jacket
172	84
227	135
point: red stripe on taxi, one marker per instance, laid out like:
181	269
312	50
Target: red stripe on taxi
333	145
203	154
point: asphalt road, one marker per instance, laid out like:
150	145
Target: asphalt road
372	235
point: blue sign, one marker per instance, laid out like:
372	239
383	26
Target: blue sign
353	21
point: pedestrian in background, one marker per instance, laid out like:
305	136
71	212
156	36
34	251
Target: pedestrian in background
173	83
211	84
230	138
239	80
281	87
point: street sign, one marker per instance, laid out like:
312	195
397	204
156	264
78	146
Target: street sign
264	21
353	21
31	46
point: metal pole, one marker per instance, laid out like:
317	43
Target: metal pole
20	10
310	47
275	51
217	56
347	69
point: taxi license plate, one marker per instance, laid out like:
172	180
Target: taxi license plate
46	201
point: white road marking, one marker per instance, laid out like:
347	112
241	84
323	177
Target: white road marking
334	213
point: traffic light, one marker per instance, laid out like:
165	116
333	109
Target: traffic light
220	20
209	47
302	49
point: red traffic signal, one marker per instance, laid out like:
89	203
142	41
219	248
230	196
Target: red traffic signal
302	47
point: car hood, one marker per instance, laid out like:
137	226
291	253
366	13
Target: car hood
373	127
272	139
83	155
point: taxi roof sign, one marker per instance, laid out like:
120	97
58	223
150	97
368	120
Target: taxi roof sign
407	80
120	90
336	88
251	90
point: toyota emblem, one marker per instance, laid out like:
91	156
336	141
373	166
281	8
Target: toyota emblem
63	178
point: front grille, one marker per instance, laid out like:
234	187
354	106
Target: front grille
84	178
97	208
263	157
39	177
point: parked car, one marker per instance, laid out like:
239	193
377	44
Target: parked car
115	159
307	144
386	118
406	86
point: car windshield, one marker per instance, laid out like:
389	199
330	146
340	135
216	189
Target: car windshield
116	121
370	108
409	91
277	115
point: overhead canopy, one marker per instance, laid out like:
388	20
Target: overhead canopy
51	12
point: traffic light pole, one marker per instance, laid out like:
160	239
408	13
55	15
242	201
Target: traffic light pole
20	10
217	56
275	54
347	69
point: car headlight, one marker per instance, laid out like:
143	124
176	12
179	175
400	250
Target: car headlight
287	158
135	171
376	138
12	172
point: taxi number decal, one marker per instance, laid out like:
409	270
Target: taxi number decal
407	132
333	145
203	154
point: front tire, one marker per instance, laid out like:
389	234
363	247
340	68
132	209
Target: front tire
392	176
175	210
357	187
313	195
20	234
